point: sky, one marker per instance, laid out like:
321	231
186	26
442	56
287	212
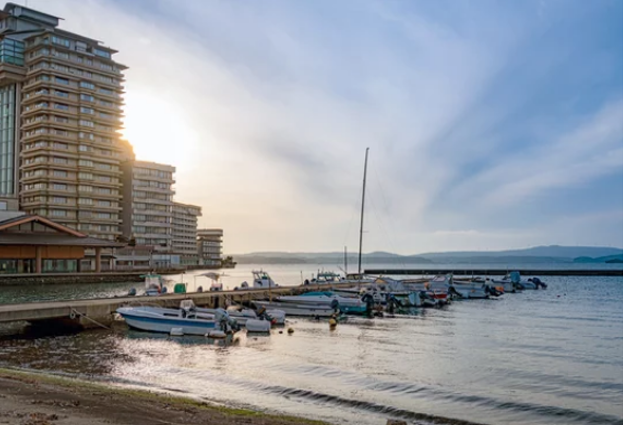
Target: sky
491	124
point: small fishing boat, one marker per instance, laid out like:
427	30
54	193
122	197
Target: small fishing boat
249	318
185	321
328	278
328	299
473	290
154	284
513	280
261	279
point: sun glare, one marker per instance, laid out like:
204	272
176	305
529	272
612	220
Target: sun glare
157	129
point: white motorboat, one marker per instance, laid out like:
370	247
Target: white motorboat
249	319
185	320
154	284
514	279
292	309
475	290
328	278
327	299
261	279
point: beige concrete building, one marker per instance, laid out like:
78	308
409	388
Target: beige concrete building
61	98
210	247
185	232
147	207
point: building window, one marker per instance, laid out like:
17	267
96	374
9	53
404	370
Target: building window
61	106
60	80
61	41
87	97
61	93
85	163
87	123
86	110
102	53
87	85
85	176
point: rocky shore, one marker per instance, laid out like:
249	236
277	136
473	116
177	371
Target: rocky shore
34	399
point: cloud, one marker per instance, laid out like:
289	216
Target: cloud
592	149
470	109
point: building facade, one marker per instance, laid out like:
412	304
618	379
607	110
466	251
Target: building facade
147	206
61	99
210	247
185	232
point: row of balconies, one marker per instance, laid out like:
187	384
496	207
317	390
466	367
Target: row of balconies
73	61
72	99
33	84
43	65
69	165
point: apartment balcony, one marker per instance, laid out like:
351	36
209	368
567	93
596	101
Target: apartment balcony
47	164
12	73
39	96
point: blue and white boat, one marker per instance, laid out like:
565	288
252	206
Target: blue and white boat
299	310
183	321
349	305
513	282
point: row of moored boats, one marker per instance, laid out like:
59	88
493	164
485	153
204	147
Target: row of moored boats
364	296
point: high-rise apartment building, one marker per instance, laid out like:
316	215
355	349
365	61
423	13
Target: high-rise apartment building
60	99
210	246
185	232
147	207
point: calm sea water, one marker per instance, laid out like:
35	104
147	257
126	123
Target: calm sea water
539	357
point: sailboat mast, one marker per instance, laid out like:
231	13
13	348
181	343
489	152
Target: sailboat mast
345	261
363	203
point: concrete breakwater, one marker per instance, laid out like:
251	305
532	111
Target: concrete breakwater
496	272
72	278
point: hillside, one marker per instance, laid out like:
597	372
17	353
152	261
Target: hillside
539	254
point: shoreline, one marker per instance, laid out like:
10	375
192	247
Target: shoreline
35	398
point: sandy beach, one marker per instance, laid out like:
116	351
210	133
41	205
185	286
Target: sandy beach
36	399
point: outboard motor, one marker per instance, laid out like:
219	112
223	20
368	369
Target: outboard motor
369	300
335	305
132	292
490	290
226	323
538	283
200	289
392	303
306	282
164	290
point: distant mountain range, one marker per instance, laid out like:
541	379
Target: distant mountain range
539	254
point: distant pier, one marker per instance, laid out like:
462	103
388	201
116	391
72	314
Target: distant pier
495	272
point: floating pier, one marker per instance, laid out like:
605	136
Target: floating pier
95	312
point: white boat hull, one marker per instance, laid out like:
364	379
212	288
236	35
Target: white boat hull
142	319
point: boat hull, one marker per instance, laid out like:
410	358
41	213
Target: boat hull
291	309
166	324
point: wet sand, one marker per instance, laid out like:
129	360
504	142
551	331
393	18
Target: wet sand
36	399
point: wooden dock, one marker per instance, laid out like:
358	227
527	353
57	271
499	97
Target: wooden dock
462	271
